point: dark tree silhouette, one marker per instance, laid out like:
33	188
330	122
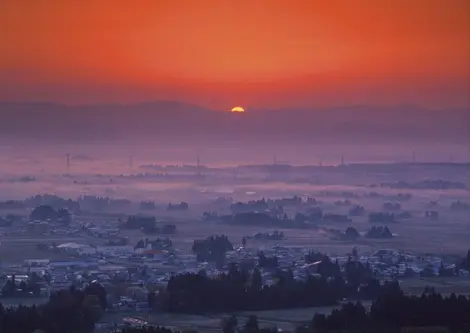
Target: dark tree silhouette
212	249
43	213
378	232
392	311
64	216
351	233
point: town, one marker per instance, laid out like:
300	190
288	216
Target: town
135	258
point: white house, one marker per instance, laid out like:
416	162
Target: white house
115	250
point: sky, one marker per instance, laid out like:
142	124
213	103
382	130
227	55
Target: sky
221	53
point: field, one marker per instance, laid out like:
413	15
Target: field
448	235
286	319
442	285
416	235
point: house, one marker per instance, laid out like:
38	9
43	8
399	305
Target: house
116	250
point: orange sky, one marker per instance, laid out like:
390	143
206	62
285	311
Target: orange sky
249	52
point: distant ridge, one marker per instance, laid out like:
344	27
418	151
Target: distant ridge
173	120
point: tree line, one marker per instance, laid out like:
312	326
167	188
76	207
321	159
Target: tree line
390	312
244	290
70	310
394	311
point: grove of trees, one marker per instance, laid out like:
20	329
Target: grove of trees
69	310
242	290
394	311
77	311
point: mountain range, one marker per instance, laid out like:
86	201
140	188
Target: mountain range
183	122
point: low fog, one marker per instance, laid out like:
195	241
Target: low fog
135	219
162	171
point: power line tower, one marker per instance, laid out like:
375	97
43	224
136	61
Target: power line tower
235	172
67	161
198	165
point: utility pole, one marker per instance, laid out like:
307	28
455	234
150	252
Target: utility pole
414	156
342	160
131	162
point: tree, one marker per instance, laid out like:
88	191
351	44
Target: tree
212	249
256	280
43	213
251	325
64	216
326	268
379	232
355	253
351	233
229	324
151	299
99	291
23	286
9	288
92	302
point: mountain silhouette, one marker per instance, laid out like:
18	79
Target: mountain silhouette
178	121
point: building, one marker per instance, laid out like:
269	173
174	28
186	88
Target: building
117	250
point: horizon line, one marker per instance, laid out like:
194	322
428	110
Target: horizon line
182	102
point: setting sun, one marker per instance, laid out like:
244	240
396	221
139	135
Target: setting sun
238	109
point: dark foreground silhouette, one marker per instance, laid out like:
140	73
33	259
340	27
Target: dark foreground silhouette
77	311
392	312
